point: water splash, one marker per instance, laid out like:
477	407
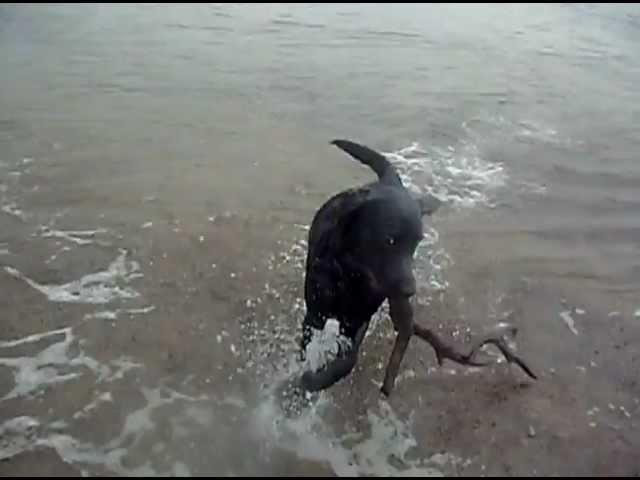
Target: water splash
432	262
299	422
383	450
325	345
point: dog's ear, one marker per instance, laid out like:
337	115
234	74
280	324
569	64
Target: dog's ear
428	204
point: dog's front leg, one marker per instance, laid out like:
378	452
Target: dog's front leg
402	317
337	369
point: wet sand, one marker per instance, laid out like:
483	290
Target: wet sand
170	369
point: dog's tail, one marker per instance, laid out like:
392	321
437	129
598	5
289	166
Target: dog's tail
378	162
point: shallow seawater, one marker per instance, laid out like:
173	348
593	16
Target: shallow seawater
160	167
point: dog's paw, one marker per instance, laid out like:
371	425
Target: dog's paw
386	390
306	382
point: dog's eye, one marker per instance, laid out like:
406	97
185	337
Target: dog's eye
391	241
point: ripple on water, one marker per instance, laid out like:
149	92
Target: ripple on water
94	288
56	363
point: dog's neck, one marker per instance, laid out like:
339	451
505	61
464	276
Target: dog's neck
357	271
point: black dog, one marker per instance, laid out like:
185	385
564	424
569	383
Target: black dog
360	253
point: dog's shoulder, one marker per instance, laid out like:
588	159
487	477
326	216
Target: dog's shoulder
330	217
339	205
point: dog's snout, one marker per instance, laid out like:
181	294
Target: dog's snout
404	287
408	289
400	281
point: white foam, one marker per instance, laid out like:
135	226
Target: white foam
33	373
102	315
459	177
113	314
94	288
138	422
4	250
112	455
16	435
21	434
13	210
17	424
568	320
55	255
55	364
79	237
390	437
147	225
87	409
141	311
121	366
36	337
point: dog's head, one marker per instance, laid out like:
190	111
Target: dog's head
382	231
